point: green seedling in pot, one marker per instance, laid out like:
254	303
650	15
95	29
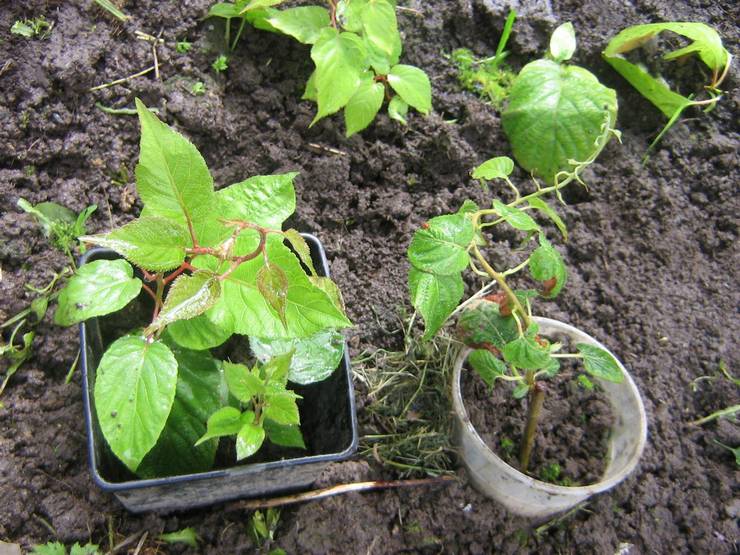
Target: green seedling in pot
356	49
557	112
704	42
500	326
213	264
62	228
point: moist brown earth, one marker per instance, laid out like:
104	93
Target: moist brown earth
652	256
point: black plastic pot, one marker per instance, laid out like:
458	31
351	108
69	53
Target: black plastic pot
328	423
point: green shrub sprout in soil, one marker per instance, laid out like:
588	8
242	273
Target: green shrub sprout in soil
214	264
704	42
356	49
490	78
61	228
500	326
37	27
557	112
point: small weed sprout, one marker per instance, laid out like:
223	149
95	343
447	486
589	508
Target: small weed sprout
62	228
198	88
32	28
183	46
490	78
220	64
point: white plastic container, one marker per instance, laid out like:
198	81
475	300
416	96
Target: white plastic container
526	496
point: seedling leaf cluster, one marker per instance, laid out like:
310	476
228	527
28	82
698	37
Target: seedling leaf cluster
214	264
356	49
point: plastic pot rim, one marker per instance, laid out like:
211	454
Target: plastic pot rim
577	492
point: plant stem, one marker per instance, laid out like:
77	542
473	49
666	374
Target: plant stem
729	411
536	399
501	280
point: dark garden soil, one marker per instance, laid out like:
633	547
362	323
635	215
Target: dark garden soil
653	260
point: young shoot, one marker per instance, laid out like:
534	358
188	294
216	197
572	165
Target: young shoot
704	42
499	326
356	49
557	112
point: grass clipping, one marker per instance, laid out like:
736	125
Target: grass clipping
408	424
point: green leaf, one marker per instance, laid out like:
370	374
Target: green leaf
224	422
223	9
331	289
188	536
50	548
308	308
484	324
304	23
441	246
282	408
134	390
380	27
188	297
706	43
277	369
243	383
199	333
249	440
520	391
487	366
563	42
97	288
600	363
349	14
655	90
266	200
339	59
272	284
525	352
516	218
256	5
412	85
363	106
545	263
314	358
48	213
87	549
548	211
171	177
310	92
556	114
435	297
301	248
198	395
153	243
495	168
286	436
397	110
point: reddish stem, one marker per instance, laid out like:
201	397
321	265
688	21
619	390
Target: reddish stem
148	289
235	262
184	266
